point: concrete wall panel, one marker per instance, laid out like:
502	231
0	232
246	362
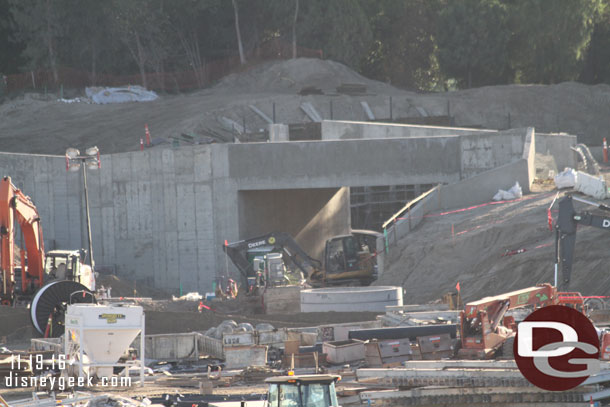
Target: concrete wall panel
558	145
336	163
345	130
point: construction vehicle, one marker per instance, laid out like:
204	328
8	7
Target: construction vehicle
302	391
37	270
348	259
567	221
485	328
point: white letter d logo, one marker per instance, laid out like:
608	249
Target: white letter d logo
525	342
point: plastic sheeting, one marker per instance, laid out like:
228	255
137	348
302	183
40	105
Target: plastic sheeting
514	193
566	179
104	96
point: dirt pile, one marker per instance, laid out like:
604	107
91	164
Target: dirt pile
128	288
293	75
35	124
15	324
485	253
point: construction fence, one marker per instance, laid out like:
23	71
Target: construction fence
180	81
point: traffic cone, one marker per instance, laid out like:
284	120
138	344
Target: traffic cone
141	144
48	331
147	135
605	151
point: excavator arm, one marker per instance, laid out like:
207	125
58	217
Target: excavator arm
14	205
565	239
278	241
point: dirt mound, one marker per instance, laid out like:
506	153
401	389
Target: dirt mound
566	107
129	288
35	124
485	253
15	325
293	75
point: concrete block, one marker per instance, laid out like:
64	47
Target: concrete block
338	352
165	347
350	299
591	185
243	356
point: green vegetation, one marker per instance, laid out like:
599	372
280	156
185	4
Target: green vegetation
416	44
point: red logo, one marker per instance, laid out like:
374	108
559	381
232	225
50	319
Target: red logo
557	348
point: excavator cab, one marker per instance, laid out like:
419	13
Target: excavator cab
350	258
67	265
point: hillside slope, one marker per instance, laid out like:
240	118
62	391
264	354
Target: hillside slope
33	124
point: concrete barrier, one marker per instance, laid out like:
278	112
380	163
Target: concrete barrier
348	299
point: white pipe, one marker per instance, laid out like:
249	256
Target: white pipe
555	274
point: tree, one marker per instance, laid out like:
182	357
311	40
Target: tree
10	48
87	26
143	28
339	27
240	46
550	40
403	50
39	27
294	29
473	36
596	66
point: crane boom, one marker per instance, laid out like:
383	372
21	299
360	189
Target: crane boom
15	205
565	238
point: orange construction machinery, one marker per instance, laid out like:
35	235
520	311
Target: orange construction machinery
56	274
15	206
484	328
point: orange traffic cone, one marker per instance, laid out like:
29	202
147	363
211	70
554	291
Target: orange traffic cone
49	330
147	135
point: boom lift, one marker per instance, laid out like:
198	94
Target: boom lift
483	326
347	258
565	240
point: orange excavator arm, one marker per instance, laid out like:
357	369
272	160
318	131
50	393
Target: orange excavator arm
14	205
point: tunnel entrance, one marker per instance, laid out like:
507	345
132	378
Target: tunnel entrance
311	216
372	206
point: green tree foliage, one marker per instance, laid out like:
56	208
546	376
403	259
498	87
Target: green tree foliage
473	37
551	38
340	28
10	49
39	25
403	49
597	61
410	43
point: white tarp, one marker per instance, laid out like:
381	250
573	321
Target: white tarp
514	193
103	96
566	179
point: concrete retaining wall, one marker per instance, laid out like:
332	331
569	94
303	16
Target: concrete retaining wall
345	130
476	189
558	145
160	216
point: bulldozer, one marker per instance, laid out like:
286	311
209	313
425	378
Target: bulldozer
348	259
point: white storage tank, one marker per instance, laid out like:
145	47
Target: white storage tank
102	334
